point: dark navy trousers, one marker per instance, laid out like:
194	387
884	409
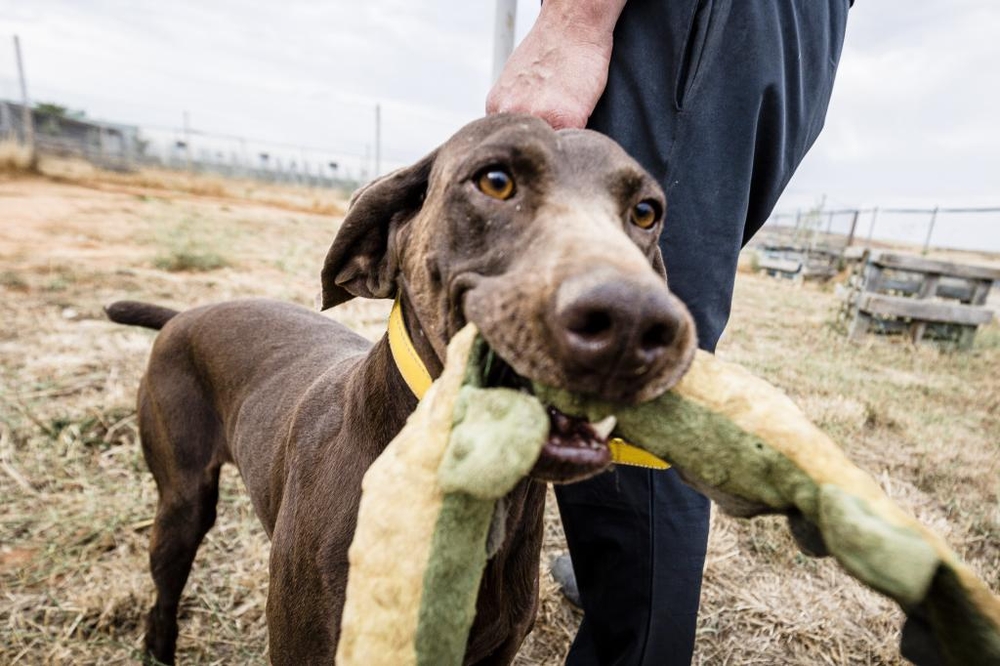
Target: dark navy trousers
719	100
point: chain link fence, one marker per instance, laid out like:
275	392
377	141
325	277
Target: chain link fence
122	147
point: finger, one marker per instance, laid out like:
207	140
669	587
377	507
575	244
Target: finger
564	120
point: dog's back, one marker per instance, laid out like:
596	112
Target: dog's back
231	382
216	365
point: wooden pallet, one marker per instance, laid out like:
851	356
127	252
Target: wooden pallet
797	262
893	292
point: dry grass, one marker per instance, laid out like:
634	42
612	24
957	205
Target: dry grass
15	158
78	501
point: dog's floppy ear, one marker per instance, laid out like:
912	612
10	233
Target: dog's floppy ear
363	260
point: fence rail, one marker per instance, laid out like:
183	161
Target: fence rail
127	147
909	224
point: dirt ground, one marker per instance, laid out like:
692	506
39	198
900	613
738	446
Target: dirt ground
78	502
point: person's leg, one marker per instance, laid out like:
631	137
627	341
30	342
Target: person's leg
719	100
638	551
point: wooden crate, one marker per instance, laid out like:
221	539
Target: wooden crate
797	262
894	292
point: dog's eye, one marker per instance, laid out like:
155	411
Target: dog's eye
496	183
645	213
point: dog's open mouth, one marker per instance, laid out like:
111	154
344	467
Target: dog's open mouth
575	450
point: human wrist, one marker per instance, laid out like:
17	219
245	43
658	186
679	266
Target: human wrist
581	22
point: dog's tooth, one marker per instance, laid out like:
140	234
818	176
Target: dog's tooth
604	427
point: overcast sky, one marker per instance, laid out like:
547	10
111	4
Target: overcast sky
915	117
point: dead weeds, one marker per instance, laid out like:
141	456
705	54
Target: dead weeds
78	502
16	158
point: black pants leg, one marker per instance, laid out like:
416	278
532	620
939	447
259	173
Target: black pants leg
719	100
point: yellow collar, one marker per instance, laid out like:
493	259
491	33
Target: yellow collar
415	375
405	355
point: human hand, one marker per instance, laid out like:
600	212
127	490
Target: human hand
560	69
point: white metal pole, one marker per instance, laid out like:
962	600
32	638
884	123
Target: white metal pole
378	140
29	128
503	35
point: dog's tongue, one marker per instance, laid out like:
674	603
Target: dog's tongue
575	451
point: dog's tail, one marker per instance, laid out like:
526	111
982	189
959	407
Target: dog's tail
135	313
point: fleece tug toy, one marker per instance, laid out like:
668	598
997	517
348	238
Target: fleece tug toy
419	548
420	545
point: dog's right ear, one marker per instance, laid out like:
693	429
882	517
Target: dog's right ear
364	260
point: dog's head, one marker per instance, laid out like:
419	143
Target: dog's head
546	240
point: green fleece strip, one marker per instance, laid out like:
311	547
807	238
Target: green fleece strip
495	440
496	437
451	581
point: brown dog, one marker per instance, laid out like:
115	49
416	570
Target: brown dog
545	240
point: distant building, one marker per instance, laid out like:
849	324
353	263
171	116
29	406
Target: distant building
107	145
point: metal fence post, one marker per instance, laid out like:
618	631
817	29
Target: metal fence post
871	228
28	121
930	230
854	226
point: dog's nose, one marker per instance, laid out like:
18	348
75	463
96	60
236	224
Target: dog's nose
616	329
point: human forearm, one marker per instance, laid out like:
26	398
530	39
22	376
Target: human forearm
560	69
